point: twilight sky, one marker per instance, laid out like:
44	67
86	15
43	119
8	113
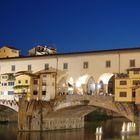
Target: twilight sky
70	25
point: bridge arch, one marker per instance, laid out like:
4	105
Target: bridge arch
106	82
90	102
9	101
10	105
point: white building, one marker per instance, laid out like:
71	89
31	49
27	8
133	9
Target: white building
85	71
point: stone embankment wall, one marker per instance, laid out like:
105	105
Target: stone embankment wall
63	123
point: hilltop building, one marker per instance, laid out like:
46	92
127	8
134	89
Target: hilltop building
41	50
8	51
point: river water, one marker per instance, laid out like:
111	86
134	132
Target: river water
111	131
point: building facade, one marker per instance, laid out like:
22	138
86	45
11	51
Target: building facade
84	72
125	85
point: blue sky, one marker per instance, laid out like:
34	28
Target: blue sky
70	25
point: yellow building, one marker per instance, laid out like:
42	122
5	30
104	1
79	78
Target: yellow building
23	84
40	85
8	51
125	85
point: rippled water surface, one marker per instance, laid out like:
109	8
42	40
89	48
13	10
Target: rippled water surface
111	131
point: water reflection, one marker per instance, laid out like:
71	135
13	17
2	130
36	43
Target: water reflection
52	135
111	131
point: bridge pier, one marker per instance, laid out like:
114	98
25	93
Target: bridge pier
39	116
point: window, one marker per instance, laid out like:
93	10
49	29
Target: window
123	94
53	84
29	67
53	75
19	81
132	63
85	65
44	75
14	51
43	92
10	92
4	77
136	72
43	83
35	82
26	81
65	66
10	83
108	64
13	68
136	82
35	92
133	94
123	82
46	66
5	84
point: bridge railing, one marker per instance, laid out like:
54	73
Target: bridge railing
7	97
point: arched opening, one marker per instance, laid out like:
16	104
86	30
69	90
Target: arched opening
106	83
91	86
85	84
70	85
7	114
111	85
62	86
100	88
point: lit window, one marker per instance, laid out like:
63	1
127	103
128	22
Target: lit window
132	63
85	65
108	64
65	66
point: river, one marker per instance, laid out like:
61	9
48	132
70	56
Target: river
111	131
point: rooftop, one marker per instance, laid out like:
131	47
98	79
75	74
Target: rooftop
78	53
10	47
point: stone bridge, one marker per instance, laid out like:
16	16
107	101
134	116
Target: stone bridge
90	102
69	111
65	112
9	101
